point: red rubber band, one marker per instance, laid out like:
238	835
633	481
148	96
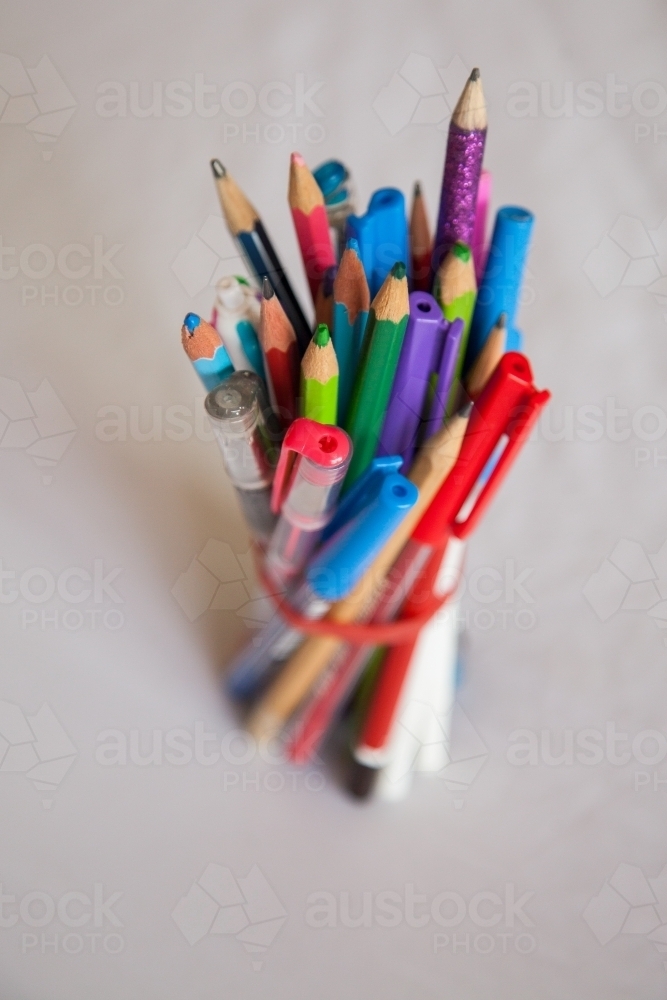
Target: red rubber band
396	633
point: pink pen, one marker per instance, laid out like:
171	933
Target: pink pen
480	245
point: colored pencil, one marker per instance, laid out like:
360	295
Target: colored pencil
351	302
456	289
420	243
383	339
488	358
247	228
319	379
480	246
281	355
324	300
203	345
311	223
433	464
463	165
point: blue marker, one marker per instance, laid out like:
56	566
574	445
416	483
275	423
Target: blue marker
204	347
382	235
500	288
333	573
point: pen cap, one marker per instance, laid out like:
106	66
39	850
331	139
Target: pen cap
312	465
365	491
495	415
500	287
238	410
343	560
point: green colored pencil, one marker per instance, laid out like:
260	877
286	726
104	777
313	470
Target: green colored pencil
456	290
383	339
319	378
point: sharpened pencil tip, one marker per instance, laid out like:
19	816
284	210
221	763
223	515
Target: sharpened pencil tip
267	289
474	75
298	159
465	409
218	169
321	336
352	244
417	190
461	251
191	322
398	270
502	321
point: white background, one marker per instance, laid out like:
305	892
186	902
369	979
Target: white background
558	832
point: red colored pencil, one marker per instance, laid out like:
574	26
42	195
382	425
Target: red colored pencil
281	355
311	223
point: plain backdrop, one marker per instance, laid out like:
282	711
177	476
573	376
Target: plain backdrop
110	234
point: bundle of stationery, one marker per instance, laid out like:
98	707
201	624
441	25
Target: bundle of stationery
365	446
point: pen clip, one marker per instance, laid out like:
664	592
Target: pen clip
516	433
323	444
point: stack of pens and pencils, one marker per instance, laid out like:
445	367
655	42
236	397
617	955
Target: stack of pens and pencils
364	447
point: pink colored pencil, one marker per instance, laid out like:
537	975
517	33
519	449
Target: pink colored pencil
311	223
480	245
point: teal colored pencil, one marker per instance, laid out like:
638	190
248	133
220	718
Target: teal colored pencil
350	312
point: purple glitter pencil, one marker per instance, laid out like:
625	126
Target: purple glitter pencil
420	355
463	166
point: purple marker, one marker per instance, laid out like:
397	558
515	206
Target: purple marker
420	355
446	370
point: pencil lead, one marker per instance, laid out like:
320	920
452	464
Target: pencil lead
267	289
352	244
417	190
298	159
465	409
321	336
191	322
474	75
218	169
398	270
502	321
